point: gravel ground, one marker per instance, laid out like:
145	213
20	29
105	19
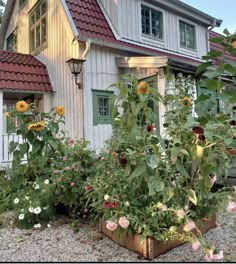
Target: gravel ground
59	244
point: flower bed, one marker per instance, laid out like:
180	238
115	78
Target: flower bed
150	247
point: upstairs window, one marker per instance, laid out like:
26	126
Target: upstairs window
152	22
187	35
38	27
12	41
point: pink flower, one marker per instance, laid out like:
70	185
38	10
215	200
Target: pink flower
111	226
196	245
71	141
180	214
72	184
87	188
67	168
189	226
64	158
86	210
231	207
59	179
73	166
56	171
186	207
124	222
211	256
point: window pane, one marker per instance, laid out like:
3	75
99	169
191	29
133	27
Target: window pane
43	8
32	19
37	36
190	36
32	40
145	21
43	30
156	24
103	107
37	13
182	34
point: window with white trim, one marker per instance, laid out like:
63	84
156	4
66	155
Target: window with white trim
152	22
12	41
187	35
38	27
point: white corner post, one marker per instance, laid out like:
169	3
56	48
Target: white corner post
161	89
1	125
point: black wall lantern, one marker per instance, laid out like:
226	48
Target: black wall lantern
76	68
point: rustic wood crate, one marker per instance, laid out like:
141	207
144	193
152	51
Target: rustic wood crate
150	247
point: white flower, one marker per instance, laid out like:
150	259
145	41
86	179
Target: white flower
21	216
127	204
26	197
31	209
16	201
36	187
106	197
37	226
45	208
46	181
48	225
37	210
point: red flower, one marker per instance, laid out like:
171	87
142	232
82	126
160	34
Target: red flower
198	130
150	128
232	123
87	188
123	161
71	141
201	137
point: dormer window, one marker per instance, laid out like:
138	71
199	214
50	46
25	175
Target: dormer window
38	27
152	22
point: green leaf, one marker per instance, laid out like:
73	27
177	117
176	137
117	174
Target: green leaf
228	141
180	167
24	148
168	193
36	146
192	197
13	146
152	161
217	40
155	185
140	170
226	32
203	67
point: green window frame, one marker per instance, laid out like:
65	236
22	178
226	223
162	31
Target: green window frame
102	107
38	27
187	35
152	22
12	41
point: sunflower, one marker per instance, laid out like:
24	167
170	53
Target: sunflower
143	88
198	130
60	110
233	44
22	106
38	126
186	102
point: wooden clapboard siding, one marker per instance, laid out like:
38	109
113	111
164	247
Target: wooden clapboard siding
59	49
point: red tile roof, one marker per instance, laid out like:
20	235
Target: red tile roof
23	72
91	23
218	47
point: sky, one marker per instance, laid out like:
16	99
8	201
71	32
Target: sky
220	9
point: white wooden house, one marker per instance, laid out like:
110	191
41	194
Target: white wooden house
114	37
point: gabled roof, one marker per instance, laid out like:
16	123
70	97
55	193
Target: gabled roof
91	23
23	72
218	47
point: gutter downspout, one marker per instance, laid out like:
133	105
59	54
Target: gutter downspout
87	49
5	21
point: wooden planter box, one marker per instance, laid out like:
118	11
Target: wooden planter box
150	247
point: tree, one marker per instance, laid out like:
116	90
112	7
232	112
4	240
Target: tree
2	6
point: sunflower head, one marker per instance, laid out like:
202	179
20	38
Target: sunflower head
21	106
38	126
60	110
233	44
143	88
186	102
